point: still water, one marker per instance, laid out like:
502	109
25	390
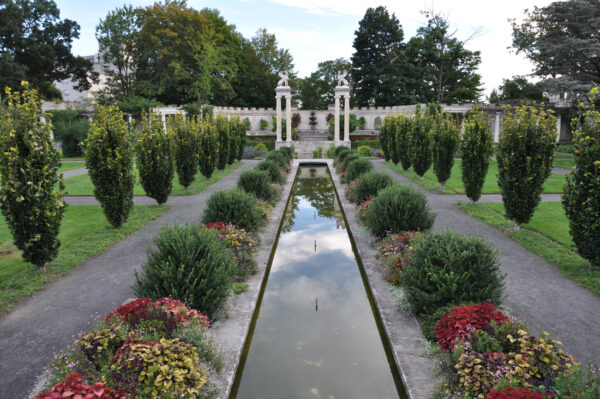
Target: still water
315	334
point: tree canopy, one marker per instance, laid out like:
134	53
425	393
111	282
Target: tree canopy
441	68
317	90
562	41
35	45
515	90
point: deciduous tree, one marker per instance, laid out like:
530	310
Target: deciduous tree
35	45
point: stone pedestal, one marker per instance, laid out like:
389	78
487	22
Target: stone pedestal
342	91
285	92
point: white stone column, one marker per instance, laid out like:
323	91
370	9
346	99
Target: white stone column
278	106
558	126
164	120
288	118
347	117
336	118
497	127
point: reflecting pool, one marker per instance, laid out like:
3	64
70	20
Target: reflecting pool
315	335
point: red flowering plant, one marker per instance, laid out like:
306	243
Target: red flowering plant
393	252
240	243
518	393
362	209
463	320
75	388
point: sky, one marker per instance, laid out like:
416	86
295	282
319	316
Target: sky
319	30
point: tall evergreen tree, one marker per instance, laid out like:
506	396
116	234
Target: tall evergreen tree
562	41
378	64
442	69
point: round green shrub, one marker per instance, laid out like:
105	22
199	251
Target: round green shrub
233	206
343	154
357	167
363	150
347	160
273	169
370	183
258	183
451	268
399	208
188	264
279	158
287	153
339	150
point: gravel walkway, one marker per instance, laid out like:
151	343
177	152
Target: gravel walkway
535	290
47	322
75	172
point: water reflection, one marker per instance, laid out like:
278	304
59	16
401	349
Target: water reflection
315	336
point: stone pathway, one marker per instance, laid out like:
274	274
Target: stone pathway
75	172
48	321
535	290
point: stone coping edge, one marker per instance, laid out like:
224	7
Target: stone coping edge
402	329
231	334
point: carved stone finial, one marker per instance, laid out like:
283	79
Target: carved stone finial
341	77
284	79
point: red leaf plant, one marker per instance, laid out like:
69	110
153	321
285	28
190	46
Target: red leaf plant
462	320
517	393
131	310
74	387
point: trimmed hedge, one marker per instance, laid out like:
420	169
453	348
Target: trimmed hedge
399	208
188	264
258	183
233	206
450	268
357	167
273	169
370	183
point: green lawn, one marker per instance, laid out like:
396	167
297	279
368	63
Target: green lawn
72	159
83	233
454	185
71	165
546	235
566	163
82	185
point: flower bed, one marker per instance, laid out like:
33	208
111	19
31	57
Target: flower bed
143	349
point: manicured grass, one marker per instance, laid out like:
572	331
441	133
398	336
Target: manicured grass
82	185
71	165
72	159
546	235
566	163
83	233
454	185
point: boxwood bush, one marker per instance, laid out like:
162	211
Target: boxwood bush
399	208
349	158
188	264
279	158
233	206
258	183
357	167
287	153
273	169
342	155
451	268
370	183
339	150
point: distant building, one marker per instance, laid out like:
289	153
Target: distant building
71	95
